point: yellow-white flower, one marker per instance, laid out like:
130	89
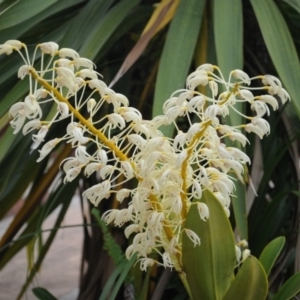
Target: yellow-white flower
168	173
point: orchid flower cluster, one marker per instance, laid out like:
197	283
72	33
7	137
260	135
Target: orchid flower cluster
167	173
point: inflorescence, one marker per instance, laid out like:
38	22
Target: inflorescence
168	172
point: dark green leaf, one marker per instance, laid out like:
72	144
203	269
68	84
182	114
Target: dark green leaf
43	294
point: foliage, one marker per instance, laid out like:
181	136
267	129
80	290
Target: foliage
161	44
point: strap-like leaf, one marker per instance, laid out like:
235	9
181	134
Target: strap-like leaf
101	33
142	43
177	53
280	46
23	10
289	289
294	3
228	33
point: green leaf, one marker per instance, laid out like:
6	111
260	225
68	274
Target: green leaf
270	253
12	174
85	22
17	92
23	10
228	33
6	141
177	53
294	3
250	283
290	288
17	30
120	272
99	34
228	23
209	267
43	294
280	46
239	209
113	248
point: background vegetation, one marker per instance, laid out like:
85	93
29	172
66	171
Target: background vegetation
145	49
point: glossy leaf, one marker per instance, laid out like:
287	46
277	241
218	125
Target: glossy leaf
209	267
250	282
270	253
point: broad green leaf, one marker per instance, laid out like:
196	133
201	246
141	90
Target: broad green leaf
209	267
23	10
250	283
43	294
270	253
280	45
177	53
290	288
98	36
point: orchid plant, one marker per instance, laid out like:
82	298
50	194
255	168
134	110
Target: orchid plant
174	187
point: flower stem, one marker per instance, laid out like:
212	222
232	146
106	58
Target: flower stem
185	165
